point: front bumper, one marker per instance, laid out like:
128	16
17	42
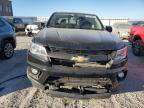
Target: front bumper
76	95
62	71
46	71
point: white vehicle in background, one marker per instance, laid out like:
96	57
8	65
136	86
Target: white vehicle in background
122	29
34	28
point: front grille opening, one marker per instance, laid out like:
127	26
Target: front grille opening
83	52
69	63
86	91
62	62
102	62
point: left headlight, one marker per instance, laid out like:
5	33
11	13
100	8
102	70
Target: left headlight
122	53
38	50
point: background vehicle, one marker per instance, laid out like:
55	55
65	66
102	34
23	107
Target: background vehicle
40	24
34	28
122	29
134	23
7	39
76	57
137	39
17	23
30	30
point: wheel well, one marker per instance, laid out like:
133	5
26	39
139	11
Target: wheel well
136	38
10	39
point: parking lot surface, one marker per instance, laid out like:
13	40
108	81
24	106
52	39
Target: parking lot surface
16	89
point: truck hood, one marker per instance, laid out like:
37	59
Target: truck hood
78	39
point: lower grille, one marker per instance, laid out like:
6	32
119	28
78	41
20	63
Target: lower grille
62	62
79	81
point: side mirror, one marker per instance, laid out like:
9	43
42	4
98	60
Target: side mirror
108	28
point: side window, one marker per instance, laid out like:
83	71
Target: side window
62	22
1	23
72	20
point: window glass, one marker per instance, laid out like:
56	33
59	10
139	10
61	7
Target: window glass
8	9
18	20
1	23
1	7
77	21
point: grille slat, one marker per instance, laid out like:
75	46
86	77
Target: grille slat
83	52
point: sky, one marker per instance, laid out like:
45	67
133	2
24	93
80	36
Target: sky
132	9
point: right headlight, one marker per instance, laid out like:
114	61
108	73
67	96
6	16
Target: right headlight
122	53
38	50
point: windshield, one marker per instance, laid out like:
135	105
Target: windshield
76	21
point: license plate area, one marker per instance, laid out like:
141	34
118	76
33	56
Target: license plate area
90	64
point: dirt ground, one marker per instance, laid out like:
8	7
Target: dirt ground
16	90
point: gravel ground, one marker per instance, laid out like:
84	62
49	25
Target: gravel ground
16	90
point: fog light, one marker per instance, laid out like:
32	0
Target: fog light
34	71
121	75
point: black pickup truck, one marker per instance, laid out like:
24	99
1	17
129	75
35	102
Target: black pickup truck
76	56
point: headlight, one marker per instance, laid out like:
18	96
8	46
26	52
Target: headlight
38	50
122	53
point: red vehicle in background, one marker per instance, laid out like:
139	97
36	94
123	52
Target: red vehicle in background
137	38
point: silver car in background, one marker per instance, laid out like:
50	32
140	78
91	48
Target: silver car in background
122	29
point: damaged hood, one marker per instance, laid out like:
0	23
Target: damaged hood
78	39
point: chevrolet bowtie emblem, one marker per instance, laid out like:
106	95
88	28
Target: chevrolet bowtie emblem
80	59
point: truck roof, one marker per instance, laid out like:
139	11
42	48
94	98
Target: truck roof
74	13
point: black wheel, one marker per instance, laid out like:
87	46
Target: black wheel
8	50
30	34
137	47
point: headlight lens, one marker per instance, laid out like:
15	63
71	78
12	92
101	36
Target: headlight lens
122	53
38	50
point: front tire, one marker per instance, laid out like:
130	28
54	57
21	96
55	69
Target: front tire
137	47
8	50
